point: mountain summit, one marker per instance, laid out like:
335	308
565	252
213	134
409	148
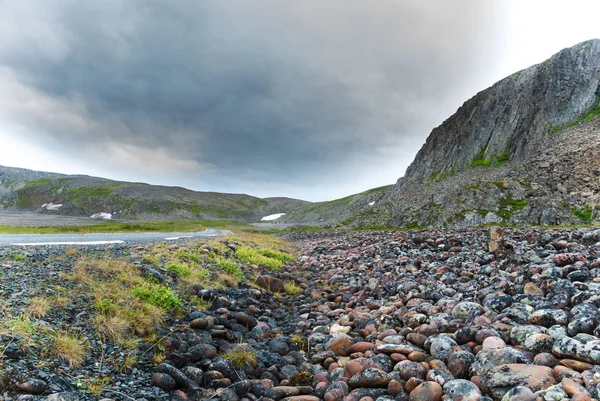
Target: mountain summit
524	151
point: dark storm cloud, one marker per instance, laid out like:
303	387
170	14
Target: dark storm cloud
259	90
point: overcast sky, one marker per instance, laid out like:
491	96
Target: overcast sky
313	99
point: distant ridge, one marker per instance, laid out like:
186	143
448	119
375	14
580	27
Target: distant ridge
80	195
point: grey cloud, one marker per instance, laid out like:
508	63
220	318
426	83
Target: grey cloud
259	91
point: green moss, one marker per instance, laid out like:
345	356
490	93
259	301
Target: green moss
514	204
86	192
585	214
500	184
38	182
475	186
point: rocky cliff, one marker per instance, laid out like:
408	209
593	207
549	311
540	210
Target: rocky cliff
524	151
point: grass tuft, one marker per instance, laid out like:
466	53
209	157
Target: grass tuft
39	306
70	349
292	288
157	295
229	267
241	356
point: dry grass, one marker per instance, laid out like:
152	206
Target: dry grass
61	301
241	355
72	252
158	358
292	288
39	306
114	328
70	349
226	280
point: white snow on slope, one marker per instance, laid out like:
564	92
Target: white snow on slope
272	217
101	216
51	206
371	203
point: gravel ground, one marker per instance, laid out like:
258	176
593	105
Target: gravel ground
42	220
434	315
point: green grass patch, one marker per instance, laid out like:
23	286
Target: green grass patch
515	204
480	160
253	256
18	257
496	161
502	159
591	113
111	227
105	306
585	214
151	260
292	288
273	254
157	295
180	269
188	256
229	267
38	182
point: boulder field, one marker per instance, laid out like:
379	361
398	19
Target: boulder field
422	315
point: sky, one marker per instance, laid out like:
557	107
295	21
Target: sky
307	99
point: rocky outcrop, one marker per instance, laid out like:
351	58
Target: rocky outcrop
522	152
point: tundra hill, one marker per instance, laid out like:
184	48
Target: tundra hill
525	151
27	190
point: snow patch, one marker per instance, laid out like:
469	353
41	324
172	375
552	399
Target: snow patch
52	206
272	217
371	203
101	216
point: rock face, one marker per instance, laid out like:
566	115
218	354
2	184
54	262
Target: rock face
509	154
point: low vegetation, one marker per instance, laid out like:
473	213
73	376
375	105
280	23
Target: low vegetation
125	299
242	356
591	113
495	161
585	214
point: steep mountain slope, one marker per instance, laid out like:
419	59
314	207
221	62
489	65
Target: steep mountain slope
524	151
26	190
